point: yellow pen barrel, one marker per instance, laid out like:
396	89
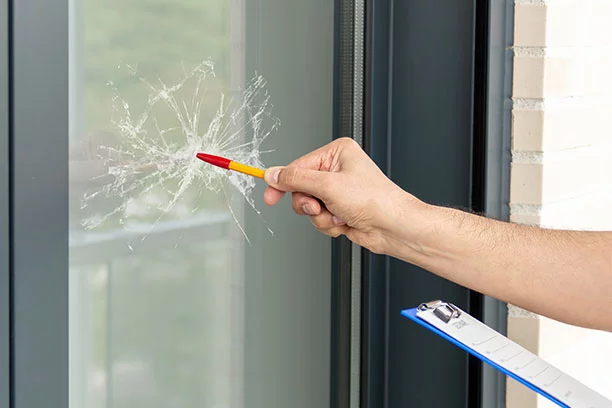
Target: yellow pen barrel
243	168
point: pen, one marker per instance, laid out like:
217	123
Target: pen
231	165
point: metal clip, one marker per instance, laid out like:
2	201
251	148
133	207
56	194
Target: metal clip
444	311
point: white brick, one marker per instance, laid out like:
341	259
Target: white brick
593	22
527	130
519	396
562	78
528	77
561	128
565	336
526	183
606	171
568	179
534	181
547	77
570	128
595	70
529	25
525	331
564	23
601	123
590	212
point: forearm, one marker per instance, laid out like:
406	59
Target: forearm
558	274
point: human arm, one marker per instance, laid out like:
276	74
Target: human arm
545	271
558	274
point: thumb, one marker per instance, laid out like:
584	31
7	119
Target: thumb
295	179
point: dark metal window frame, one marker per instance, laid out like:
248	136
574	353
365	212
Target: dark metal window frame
342	249
492	83
5	301
498	106
39	203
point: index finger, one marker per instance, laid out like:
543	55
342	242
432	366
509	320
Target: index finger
315	160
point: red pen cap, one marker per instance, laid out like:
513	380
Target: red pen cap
215	160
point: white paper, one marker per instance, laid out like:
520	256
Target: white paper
518	360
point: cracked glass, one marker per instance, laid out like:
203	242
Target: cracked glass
186	290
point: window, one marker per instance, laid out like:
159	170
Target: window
134	275
197	296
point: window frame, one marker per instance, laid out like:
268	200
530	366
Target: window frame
5	262
498	65
39	202
40	257
349	86
490	176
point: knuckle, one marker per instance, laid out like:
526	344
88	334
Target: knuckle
289	176
346	141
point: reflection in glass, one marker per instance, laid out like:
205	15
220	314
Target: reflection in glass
180	295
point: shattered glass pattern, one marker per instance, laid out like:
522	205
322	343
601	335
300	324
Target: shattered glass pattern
152	166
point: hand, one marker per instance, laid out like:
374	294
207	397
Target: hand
343	192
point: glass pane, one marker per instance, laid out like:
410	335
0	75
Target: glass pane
185	290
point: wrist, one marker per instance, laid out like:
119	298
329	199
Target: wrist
405	224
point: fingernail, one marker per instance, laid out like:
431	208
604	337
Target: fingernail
275	173
337	220
308	210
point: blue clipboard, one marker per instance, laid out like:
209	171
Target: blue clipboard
412	315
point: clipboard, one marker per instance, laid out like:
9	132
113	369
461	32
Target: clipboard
468	333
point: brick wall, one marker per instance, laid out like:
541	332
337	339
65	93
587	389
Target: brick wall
562	160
